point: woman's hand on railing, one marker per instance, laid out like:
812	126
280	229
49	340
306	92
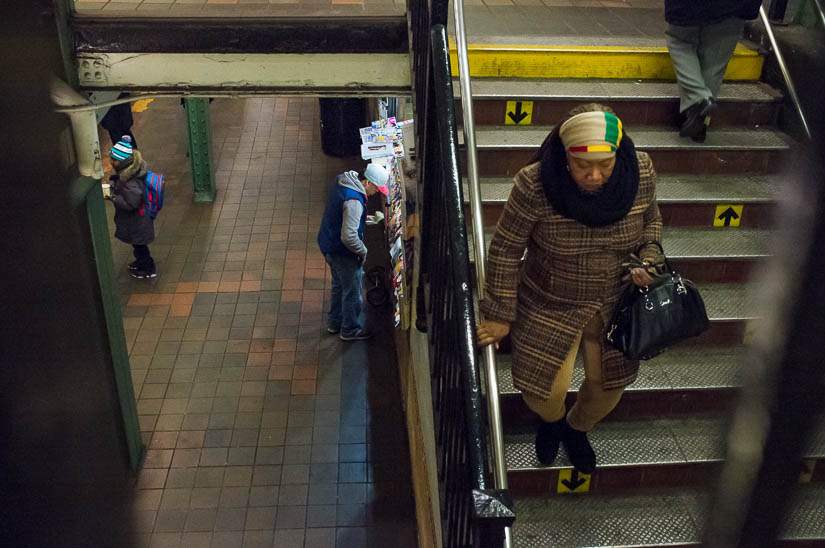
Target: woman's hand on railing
491	332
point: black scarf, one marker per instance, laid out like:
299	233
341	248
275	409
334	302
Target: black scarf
610	204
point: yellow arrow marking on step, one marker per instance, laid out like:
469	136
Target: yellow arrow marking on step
728	215
518	113
573	481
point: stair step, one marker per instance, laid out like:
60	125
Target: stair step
670	517
589	61
682	368
519	89
691	243
644	137
641	443
714	243
504	151
673	189
636	103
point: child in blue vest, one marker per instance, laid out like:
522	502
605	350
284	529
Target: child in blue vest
341	241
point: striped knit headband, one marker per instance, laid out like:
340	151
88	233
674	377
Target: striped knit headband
592	135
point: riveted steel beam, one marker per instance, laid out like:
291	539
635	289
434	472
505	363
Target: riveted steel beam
200	149
241	35
342	74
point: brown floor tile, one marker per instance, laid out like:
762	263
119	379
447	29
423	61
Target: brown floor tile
292	296
180	310
140	299
186	287
304	372
303	387
250	285
258	358
183	298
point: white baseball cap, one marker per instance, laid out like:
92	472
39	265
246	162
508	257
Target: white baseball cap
378	175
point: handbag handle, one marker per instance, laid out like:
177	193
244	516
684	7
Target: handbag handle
661	250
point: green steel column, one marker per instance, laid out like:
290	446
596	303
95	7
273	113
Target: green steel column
63	10
111	310
200	149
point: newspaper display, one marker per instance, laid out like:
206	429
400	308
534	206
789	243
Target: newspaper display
382	143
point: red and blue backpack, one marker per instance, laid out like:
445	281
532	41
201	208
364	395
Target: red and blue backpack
155	186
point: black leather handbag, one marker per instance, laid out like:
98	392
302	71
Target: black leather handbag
649	319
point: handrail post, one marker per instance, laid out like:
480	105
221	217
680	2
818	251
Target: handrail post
780	59
820	11
493	407
497	439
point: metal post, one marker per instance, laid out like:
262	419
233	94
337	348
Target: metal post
200	149
496	437
780	60
87	189
820	11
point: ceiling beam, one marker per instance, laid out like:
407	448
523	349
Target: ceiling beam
340	74
241	35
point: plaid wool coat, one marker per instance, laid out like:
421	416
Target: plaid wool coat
570	273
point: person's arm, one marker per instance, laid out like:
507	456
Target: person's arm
349	228
507	250
130	196
652	230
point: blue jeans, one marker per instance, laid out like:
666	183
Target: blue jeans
345	307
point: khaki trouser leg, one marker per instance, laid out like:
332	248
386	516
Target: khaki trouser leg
593	402
553	408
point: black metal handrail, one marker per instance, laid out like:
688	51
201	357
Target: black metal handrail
472	515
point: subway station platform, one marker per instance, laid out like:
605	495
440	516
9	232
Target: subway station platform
261	429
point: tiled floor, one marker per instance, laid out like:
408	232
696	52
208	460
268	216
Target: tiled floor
633	23
241	8
262	430
344	8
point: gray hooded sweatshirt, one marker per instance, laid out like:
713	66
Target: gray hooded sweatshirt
352	215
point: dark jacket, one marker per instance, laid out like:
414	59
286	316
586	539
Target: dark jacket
693	13
119	119
128	191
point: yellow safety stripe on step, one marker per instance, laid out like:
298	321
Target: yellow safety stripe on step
516	61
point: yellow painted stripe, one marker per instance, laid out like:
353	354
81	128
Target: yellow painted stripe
516	61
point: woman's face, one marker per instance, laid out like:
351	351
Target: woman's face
590	175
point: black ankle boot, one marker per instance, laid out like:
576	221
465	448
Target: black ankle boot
695	116
548	437
578	449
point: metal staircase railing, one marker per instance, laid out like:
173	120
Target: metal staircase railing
472	513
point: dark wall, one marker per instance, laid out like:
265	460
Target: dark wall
63	458
804	53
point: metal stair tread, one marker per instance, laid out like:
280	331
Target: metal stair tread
646	518
606	90
703	243
714	243
645	138
643	442
737	189
681	368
